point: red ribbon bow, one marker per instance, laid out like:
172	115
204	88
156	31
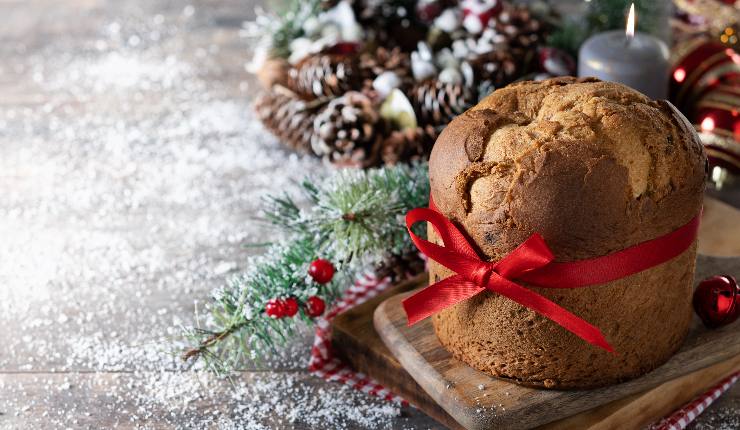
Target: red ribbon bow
532	261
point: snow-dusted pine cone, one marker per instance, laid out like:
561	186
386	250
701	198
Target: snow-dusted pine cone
324	75
437	103
496	68
408	145
289	118
382	60
400	267
519	26
346	131
390	23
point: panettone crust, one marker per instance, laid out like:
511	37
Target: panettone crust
594	167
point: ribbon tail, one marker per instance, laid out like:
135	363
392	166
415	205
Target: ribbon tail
551	310
438	296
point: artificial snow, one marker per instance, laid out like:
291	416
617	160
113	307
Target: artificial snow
131	177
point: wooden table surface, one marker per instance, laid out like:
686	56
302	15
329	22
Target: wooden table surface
130	167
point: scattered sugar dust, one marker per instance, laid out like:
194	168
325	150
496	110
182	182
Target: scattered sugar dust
132	169
721	418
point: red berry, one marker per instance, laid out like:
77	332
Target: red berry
321	271
315	306
290	307
275	308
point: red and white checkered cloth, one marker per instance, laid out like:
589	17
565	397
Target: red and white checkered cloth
326	365
682	417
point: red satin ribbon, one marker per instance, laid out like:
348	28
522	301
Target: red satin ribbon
532	262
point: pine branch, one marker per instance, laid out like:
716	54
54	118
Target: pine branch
359	213
283	212
240	326
354	219
290	25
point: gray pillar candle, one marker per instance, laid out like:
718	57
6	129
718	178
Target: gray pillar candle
639	61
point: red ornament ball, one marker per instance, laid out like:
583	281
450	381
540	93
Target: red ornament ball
321	271
715	300
290	307
315	306
274	308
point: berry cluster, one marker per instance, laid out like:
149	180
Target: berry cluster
322	272
280	308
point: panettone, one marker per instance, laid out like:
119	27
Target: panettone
594	167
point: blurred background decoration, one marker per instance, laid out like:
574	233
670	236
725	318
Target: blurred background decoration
705	81
367	82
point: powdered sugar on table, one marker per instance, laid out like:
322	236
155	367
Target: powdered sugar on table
131	171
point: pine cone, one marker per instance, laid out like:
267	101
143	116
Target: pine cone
400	267
324	75
408	145
390	23
437	103
385	60
346	131
519	26
289	118
497	68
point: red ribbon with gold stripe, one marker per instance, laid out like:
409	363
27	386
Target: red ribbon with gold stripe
533	263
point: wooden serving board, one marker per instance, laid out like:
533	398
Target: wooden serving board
478	401
355	339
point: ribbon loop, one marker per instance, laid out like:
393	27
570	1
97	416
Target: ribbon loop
531	255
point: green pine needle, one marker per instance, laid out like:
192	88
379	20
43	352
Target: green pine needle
353	218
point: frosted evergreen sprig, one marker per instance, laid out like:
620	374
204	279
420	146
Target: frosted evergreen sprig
278	29
352	218
357	216
241	330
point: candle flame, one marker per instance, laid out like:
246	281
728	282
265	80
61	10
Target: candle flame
630	31
679	75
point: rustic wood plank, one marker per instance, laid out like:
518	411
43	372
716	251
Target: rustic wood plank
643	409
